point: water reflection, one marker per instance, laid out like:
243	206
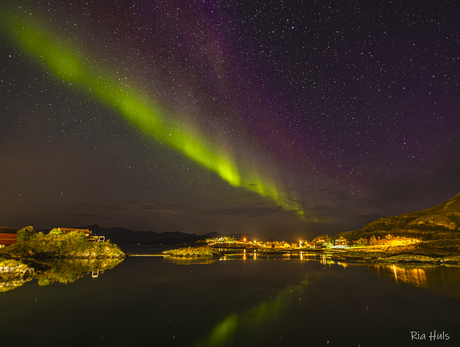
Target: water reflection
9	281
62	271
189	261
70	270
249	325
326	259
323	258
415	276
444	280
254	322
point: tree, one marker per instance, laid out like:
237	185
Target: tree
363	242
56	232
26	234
372	241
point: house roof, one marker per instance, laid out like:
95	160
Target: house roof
7	239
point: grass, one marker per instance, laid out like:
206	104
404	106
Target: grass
193	252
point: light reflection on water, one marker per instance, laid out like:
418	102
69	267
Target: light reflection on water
444	280
263	300
256	320
189	261
63	271
263	317
323	258
410	275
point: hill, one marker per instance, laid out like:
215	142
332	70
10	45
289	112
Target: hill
122	236
8	230
437	222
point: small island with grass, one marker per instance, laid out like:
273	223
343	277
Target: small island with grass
193	252
63	255
59	243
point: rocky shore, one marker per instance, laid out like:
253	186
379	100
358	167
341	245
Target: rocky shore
435	252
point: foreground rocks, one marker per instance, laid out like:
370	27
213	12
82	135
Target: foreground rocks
435	252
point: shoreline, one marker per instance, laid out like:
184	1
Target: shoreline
421	253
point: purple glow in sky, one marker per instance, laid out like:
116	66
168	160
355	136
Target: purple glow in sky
349	109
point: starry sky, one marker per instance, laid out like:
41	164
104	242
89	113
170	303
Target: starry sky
282	119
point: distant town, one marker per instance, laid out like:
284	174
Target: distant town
320	242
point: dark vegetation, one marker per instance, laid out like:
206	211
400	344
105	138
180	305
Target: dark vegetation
58	245
55	257
193	252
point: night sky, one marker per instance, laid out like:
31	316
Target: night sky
283	119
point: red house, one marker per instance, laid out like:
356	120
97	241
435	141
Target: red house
7	239
341	241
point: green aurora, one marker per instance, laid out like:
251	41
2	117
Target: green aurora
147	115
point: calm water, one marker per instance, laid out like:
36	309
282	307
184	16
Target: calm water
267	301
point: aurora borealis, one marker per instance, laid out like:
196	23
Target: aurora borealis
282	118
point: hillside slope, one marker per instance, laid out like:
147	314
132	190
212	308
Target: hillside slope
440	221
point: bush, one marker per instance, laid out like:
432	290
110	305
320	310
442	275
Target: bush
373	241
75	236
56	232
193	252
26	234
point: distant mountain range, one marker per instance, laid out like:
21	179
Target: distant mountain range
8	230
440	221
437	222
122	236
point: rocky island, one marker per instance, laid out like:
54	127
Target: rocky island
57	245
62	256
